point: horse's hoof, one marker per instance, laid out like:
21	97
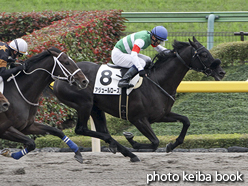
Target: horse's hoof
6	152
135	159
168	148
128	135
113	149
78	158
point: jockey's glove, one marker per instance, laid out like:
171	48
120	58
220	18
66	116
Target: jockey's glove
11	60
166	51
142	73
24	65
20	67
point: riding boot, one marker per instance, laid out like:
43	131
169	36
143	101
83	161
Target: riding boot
124	82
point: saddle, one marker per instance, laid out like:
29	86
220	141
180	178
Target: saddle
106	83
115	66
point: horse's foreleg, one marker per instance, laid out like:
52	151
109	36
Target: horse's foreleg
41	129
173	117
13	134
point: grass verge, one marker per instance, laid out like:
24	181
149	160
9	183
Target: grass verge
191	141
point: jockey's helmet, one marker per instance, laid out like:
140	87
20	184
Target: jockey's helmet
19	45
160	33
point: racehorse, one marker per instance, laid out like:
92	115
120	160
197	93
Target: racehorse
23	91
4	104
150	103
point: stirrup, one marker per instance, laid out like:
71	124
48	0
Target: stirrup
123	83
126	86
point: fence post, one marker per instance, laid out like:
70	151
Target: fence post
96	144
210	36
241	34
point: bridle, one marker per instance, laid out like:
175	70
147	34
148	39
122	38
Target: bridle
206	70
67	76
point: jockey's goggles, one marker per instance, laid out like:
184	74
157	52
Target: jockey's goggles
160	42
20	54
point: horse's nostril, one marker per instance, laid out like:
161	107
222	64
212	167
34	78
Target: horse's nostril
5	105
222	73
85	82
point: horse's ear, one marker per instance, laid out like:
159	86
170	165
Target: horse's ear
194	39
192	43
51	52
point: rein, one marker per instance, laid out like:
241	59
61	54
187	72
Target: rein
206	70
166	93
68	76
23	97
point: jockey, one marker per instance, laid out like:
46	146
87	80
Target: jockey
8	55
126	52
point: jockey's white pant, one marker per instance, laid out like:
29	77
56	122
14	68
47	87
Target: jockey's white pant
126	60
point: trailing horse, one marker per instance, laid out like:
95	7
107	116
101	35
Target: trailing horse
23	91
149	103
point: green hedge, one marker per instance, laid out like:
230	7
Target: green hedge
231	53
191	141
54	113
89	35
84	35
16	24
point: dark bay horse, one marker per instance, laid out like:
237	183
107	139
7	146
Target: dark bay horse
148	103
23	91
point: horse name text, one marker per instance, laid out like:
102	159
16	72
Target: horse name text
106	90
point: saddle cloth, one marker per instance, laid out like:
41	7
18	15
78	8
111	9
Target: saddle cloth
107	79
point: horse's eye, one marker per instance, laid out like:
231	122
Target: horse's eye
204	54
67	62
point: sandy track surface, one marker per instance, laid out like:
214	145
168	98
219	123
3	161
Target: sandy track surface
105	168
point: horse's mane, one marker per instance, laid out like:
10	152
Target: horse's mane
177	45
163	57
42	55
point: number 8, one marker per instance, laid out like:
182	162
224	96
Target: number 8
106	75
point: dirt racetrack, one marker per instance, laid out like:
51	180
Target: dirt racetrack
107	169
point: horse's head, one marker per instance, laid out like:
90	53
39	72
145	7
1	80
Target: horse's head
66	69
203	61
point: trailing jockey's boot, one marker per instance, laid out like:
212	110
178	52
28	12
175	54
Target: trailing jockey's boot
124	82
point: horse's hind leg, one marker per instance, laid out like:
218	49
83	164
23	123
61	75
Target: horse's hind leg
99	119
145	128
13	134
41	129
